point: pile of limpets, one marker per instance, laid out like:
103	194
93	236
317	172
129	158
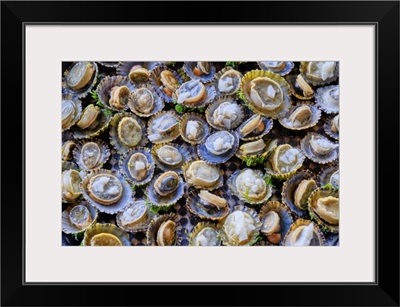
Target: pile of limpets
200	153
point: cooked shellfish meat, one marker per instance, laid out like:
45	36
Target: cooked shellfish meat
252	147
80	75
68	113
119	96
129	131
335	124
80	216
138	166
334	180
301	116
284	158
66	150
274	65
163	126
266	93
254	125
166	234
219	142
307	90
327	208
251	185
321	70
209	198
105	239
204	67
70	181
90	154
208	236
169	155
143	100
239	227
105	189
139	74
135	214
194	130
302	192
169	81
229	82
271	223
167	183
202	174
89	117
321	145
302	236
226	114
191	92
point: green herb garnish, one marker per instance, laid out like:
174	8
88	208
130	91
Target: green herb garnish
257	239
250	161
180	108
231	64
160	209
78	236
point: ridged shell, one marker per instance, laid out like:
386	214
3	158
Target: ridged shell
203	126
109	64
236	78
318	237
285	218
115	140
84	91
291	122
302	90
139	217
314	80
70	186
216	105
167	200
158	103
289	188
281	70
212	231
212	213
80	149
251	158
205	154
68	227
209	95
66	165
232	184
156	81
312	201
226	240
252	136
283	174
163	127
124	68
191	172
329	128
285	103
103	121
125	168
325	174
74	105
185	157
105	86
125	200
314	156
206	78
155	224
327	99
107	228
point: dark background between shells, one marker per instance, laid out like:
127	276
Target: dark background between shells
187	219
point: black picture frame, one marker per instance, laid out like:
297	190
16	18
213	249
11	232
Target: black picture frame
384	15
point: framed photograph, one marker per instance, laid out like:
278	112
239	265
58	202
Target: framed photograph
200	153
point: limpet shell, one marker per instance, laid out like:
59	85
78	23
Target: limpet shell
311	154
192	169
232	184
329	128
164	200
207	97
203	150
125	168
71	111
318	238
111	232
158	103
115	140
81	152
227	239
285	218
203	77
312	207
85	90
70	186
206	230
125	200
68	227
163	127
140	214
265	152
156	81
289	188
176	167
280	68
213	213
300	87
311	121
109	64
327	99
267	124
152	230
219	105
234	82
103	121
324	177
124	68
275	111
107	84
318	80
203	127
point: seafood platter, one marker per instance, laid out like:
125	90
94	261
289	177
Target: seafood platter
200	153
